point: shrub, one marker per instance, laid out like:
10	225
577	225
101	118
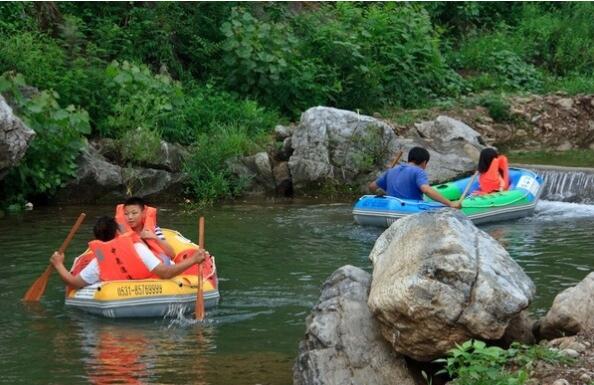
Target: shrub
210	176
140	146
50	159
262	59
207	108
560	39
498	107
380	54
139	99
475	363
498	65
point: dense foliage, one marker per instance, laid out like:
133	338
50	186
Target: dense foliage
219	75
50	158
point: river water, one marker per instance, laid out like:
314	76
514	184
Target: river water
272	259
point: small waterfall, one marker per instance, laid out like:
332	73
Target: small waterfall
566	184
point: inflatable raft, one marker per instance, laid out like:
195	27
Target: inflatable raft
518	201
149	297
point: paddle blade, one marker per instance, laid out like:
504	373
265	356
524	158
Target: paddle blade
37	289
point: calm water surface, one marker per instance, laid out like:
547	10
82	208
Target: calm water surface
272	260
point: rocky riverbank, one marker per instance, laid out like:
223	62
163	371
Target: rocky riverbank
437	281
330	150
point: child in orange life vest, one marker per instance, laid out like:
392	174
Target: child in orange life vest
493	172
105	230
136	215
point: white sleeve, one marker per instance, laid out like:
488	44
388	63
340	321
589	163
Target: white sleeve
90	274
159	233
146	255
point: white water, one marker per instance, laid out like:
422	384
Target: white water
553	211
568	186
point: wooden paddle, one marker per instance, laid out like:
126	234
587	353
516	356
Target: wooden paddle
467	187
396	159
37	289
200	294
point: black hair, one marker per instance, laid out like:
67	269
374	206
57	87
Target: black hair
485	159
105	228
135	201
418	155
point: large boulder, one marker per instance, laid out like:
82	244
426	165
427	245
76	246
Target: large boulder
572	311
14	138
338	145
438	281
343	147
454	147
169	156
342	344
446	129
98	180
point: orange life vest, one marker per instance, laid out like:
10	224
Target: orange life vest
207	265
489	181
81	262
150	222
118	259
78	265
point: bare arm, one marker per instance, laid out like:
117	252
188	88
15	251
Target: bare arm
431	193
148	234
170	271
374	188
57	260
166	247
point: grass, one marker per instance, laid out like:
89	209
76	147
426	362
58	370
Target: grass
573	158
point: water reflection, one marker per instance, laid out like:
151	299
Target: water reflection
124	352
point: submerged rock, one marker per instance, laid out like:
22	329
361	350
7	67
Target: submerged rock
438	281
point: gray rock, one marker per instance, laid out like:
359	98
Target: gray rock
285	152
571	311
570	342
170	157
14	138
438	280
565	103
337	145
570	353
446	129
345	148
519	330
561	381
98	180
282	132
255	171
151	183
342	344
282	179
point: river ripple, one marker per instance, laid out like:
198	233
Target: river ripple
272	260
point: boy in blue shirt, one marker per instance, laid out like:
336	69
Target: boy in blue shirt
409	180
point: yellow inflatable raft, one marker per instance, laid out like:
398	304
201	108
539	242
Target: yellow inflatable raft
149	297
